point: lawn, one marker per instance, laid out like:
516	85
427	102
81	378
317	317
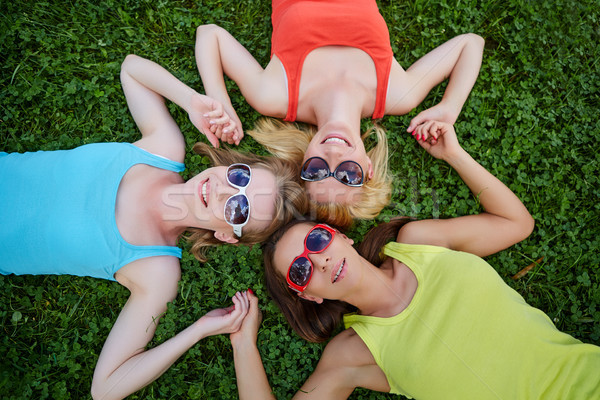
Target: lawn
532	120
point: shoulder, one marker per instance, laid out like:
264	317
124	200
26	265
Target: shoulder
428	231
156	276
346	340
347	358
171	147
270	95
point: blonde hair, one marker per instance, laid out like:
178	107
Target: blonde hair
291	200
289	141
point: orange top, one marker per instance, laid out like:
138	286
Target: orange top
300	26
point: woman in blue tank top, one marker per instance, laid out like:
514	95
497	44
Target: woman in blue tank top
116	211
428	318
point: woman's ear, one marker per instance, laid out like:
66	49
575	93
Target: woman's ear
370	171
346	238
308	297
225	237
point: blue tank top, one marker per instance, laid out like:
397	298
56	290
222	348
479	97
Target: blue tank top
57	210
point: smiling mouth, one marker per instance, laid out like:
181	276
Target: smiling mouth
336	140
339	271
204	193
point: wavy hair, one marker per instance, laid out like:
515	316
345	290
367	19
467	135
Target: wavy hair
290	141
311	321
291	200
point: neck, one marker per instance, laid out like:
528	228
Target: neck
174	209
385	291
337	104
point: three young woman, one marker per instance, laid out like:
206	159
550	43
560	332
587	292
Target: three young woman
332	65
116	211
428	319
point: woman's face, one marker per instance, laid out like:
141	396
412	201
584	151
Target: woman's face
212	190
336	270
335	143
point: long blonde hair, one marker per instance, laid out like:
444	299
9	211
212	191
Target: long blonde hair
290	141
291	200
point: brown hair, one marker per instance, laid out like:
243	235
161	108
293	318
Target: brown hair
290	202
290	141
311	321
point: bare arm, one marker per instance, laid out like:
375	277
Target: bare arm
218	52
459	59
345	364
505	221
124	366
146	85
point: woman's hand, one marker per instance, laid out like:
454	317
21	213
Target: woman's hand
226	320
443	112
249	329
438	138
210	117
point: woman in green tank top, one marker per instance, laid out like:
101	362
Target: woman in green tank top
429	319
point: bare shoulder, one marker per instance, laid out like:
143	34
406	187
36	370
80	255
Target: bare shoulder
349	349
399	98
156	276
428	231
271	94
169	144
348	359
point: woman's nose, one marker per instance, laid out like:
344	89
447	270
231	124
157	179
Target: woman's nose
224	189
333	154
319	260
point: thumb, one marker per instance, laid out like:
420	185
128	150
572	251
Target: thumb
212	138
416	121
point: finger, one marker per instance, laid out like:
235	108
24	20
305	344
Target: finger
238	136
219	132
216	110
229	126
435	129
424	144
237	304
416	121
416	131
212	138
220	119
242	308
422	130
229	309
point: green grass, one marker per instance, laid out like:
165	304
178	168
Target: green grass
532	120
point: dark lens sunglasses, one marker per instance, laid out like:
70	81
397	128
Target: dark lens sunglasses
348	172
237	207
300	271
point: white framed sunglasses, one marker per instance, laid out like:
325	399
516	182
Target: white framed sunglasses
237	207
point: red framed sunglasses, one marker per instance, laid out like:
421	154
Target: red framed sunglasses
300	271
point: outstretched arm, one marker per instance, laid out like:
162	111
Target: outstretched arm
345	364
124	366
459	59
146	85
251	376
505	220
218	52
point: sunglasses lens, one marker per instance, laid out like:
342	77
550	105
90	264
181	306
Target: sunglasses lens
239	175
349	173
236	209
315	169
300	271
318	239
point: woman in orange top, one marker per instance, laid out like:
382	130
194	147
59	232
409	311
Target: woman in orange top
331	65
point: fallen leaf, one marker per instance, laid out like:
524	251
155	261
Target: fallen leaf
525	270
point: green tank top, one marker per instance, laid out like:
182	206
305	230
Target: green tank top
468	335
